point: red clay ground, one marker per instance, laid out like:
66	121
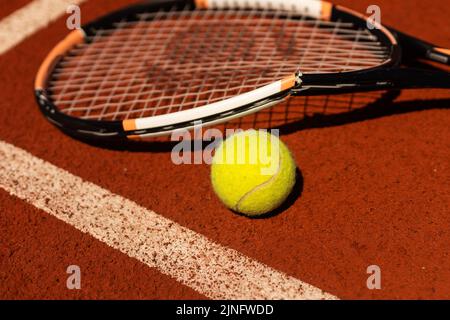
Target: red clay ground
375	191
8	7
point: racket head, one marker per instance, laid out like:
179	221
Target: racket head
96	83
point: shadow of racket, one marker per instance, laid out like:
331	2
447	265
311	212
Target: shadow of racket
296	114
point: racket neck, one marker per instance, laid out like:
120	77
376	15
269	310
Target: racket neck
377	79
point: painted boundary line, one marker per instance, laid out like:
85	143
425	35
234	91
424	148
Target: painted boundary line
207	267
29	19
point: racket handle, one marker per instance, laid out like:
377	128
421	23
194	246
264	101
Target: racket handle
379	79
416	48
410	78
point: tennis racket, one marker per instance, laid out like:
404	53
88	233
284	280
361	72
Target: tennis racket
163	66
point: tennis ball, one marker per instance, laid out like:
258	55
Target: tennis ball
253	172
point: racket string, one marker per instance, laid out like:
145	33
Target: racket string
103	84
138	106
331	39
187	99
86	107
169	61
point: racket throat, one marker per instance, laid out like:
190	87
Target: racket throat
378	79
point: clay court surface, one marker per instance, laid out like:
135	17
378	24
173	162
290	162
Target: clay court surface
375	190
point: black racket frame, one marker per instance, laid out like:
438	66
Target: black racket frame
389	75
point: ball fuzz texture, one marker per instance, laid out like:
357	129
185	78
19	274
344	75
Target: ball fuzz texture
253	172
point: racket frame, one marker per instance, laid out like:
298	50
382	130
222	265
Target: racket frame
296	84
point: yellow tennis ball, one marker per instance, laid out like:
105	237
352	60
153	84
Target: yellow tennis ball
253	172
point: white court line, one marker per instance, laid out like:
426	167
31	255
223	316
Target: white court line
216	271
29	19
